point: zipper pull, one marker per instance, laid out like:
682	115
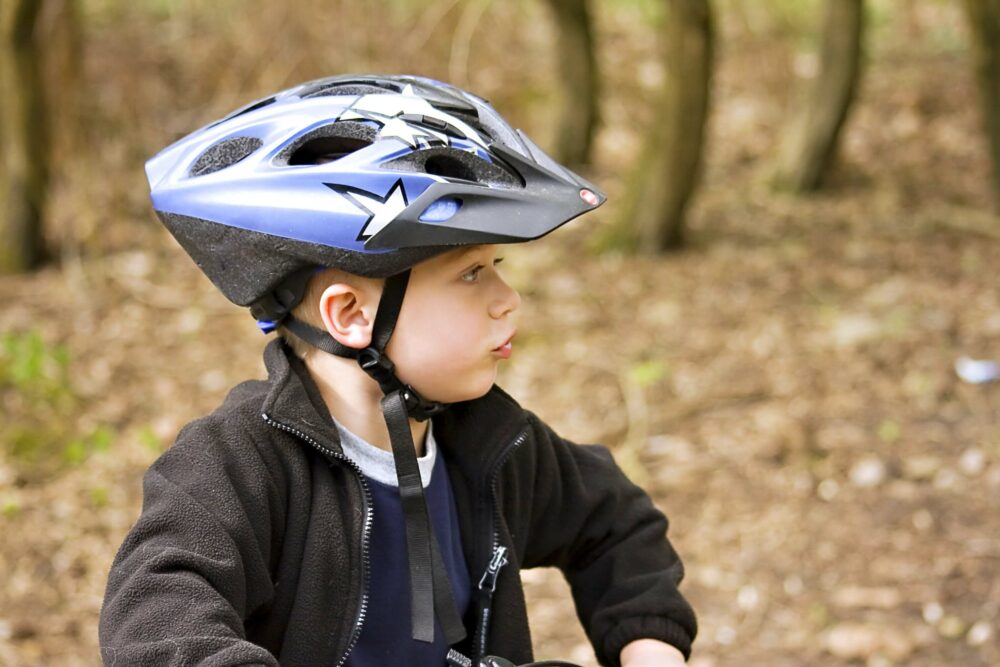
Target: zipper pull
456	659
497	562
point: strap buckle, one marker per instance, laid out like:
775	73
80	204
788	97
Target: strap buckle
418	406
379	367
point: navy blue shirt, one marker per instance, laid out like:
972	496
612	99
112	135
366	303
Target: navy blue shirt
386	635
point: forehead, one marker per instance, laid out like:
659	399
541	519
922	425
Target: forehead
457	257
443	270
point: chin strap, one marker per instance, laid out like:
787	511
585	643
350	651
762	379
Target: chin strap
373	359
430	589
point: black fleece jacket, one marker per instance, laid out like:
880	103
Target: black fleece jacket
251	548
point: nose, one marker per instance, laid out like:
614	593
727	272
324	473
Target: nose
506	301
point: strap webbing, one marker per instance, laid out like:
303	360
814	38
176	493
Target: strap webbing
318	338
385	322
388	309
445	607
430	590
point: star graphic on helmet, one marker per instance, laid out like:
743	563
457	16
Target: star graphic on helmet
396	127
411	134
381	210
395	113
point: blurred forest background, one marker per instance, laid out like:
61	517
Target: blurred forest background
782	322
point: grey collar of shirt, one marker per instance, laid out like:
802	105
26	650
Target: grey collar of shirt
378	464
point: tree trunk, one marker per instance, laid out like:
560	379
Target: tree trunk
578	81
62	33
670	163
23	138
809	150
984	28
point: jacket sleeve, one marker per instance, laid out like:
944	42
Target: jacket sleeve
195	564
609	540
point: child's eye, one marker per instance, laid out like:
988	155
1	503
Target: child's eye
472	275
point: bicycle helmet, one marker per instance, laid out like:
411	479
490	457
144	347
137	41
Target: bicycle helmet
371	175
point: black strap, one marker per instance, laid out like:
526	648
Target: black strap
445	607
277	304
318	338
373	361
411	492
389	306
430	590
385	322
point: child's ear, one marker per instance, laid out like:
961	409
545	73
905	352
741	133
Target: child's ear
348	314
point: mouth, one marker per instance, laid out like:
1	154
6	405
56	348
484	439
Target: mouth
506	349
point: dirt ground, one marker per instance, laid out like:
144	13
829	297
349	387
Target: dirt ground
785	389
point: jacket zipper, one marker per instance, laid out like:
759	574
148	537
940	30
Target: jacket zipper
498	553
365	534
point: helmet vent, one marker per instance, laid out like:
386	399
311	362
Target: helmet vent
449	167
224	154
341	89
321	150
455	164
327	143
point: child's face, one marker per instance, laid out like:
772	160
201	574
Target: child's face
455	325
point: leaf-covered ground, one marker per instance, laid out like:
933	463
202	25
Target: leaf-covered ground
785	388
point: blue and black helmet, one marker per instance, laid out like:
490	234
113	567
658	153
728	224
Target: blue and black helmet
369	174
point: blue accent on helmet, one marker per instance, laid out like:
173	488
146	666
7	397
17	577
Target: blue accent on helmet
441	210
288	204
472	148
266	326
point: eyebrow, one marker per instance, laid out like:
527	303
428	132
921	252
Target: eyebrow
461	257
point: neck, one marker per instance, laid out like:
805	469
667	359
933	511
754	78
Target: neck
354	400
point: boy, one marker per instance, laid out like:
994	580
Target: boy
372	502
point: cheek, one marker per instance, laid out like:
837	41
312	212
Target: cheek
446	360
446	342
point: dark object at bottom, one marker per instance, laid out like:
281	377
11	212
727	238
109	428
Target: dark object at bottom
493	661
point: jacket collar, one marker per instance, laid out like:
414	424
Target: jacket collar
293	399
471	433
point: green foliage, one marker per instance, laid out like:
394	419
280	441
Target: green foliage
878	15
897	322
31	366
971	262
888	431
819	614
799	18
650	12
648	373
9	508
99	496
616	238
148	437
795	15
39	434
79	449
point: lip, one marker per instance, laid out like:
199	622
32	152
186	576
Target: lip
506	349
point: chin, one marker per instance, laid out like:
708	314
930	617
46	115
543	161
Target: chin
453	393
459	396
